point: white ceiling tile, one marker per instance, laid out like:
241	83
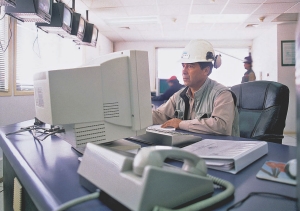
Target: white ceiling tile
198	26
113	36
223	2
207	9
294	9
102	3
273	8
170	19
240	8
141	11
247	1
267	18
152	35
110	12
131	35
174	2
278	1
137	2
225	26
174	9
147	27
173	33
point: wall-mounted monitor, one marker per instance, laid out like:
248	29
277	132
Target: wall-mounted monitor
81	28
61	20
31	10
90	35
78	27
8	3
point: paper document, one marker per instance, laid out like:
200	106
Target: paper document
160	128
228	155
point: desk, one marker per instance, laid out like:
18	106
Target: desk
48	172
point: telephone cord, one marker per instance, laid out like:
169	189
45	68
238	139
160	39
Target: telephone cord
79	200
229	190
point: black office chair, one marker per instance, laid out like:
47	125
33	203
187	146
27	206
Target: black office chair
262	107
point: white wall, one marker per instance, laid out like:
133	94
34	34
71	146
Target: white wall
266	52
15	109
151	46
286	74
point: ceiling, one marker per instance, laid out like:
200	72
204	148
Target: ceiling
186	19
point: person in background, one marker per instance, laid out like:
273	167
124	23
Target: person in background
174	86
204	106
249	75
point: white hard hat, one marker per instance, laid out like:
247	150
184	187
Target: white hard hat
200	51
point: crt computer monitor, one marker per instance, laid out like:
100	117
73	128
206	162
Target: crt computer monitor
90	35
61	20
105	100
31	10
162	86
78	27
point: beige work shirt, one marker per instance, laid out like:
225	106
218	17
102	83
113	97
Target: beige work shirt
220	121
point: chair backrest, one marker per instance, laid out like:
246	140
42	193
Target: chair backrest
262	107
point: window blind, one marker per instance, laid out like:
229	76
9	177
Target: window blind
27	56
39	51
4	54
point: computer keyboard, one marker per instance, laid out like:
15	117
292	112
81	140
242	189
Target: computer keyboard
165	137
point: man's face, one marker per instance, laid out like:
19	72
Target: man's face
247	66
193	76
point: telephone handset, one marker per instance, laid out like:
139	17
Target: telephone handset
156	155
151	186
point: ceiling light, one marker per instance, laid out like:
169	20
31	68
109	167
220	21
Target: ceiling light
251	25
131	20
221	18
261	19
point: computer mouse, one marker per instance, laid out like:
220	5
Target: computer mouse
291	168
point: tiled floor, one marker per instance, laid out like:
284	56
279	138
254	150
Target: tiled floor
289	139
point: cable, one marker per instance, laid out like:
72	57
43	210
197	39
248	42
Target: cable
37	41
3	15
229	190
34	130
9	37
79	200
238	204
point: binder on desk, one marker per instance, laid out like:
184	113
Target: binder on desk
228	155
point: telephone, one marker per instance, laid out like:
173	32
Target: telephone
145	182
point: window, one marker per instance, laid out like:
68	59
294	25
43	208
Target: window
38	51
230	73
5	40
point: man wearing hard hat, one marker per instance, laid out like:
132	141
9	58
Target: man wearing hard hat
249	75
204	106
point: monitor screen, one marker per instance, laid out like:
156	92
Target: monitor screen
81	25
95	34
162	86
44	5
91	108
67	17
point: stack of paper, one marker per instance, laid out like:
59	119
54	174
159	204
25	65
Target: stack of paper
228	155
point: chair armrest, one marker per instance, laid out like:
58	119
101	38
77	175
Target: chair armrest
276	138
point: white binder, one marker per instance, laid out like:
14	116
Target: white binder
228	155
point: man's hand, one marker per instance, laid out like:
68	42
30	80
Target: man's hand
172	123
